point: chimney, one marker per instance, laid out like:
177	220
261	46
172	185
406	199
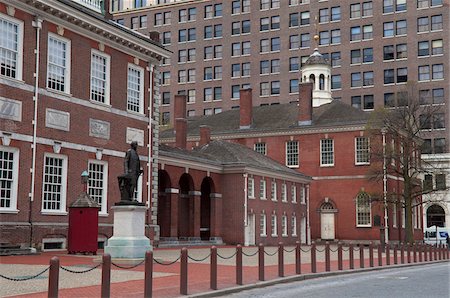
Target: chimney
179	106
246	106
181	133
205	135
106	11
154	35
305	107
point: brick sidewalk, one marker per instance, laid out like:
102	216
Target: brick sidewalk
166	281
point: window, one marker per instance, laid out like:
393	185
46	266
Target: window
363	210
217	93
54	183
251	188
437	71
362	153
235	91
284	227
58	64
275	65
388	52
9	168
388	6
207	94
303	194
191	75
273	191
336	82
356	101
389	76
166	38
283	192
293	19
424	73
305	40
402	51
292	154
439	145
437	47
217	72
293	225
274	225
355	56
326	152
401	27
264	89
262	225
294	64
335	59
245	69
165	118
275	44
402	75
260	148
388	29
356	79
389	100
235	70
293	86
355	33
134	22
294	42
304	18
246	49
100	71
97	183
143	21
165	98
293	193
335	13
135	94
207	112
368	103
165	78
262	189
423	24
440	182
207	73
275	87
436	22
324	15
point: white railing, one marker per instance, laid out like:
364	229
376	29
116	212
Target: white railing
95	5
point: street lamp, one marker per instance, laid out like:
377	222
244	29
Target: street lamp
84	179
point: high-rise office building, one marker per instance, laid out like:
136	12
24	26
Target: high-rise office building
374	47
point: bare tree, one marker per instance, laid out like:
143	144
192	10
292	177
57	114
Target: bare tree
397	153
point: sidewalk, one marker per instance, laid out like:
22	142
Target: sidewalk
166	279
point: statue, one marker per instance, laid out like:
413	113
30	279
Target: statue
132	171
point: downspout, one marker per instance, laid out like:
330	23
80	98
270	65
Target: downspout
308	226
150	138
386	227
246	238
37	23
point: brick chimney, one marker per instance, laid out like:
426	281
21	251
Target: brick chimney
154	35
179	106
181	133
205	135
246	106
305	106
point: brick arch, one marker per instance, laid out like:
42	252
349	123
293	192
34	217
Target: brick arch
322	205
207	187
164	203
185	186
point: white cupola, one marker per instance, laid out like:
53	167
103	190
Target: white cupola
317	70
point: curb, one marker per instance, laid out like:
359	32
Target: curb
262	284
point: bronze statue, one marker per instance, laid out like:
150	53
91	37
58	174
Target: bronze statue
132	171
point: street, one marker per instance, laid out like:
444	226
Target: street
419	281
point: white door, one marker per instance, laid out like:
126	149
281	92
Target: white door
303	230
250	230
327	226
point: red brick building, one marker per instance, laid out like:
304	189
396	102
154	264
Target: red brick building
75	90
328	142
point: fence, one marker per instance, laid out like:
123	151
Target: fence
415	253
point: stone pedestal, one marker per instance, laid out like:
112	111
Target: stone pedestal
128	240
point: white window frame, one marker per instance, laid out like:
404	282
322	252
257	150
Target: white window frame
273	191
322	152
107	76
283	192
19	50
292	153
140	91
62	210
67	68
294	225
262	225
394	215
302	194
360	209
361	151
251	188
104	197
274	225
138	191
15	178
263	189
284	226
260	147
293	193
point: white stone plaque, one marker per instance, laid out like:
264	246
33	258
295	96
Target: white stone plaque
57	119
10	109
134	134
99	128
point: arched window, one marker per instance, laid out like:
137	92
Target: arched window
326	206
363	210
321	82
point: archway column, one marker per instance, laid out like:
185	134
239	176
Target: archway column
194	213
172	196
216	215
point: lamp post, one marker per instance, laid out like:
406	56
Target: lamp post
84	179
386	227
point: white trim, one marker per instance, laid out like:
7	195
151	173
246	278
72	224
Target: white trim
321	152
263	227
104	203
251	188
19	23
63	202
107	79
356	151
274	225
63	242
15	179
363	196
67	61
263	189
140	70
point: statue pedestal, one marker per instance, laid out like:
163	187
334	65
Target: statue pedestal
128	240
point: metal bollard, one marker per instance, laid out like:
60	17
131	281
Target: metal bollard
184	272
425	253
371	254
402	253
415	253
440	251
430	252
53	278
408	253
213	270
298	258
388	255
313	258
420	249
340	267
361	256
350	255
106	276
280	259
395	255
380	255
435	257
261	261
239	265
148	279
327	257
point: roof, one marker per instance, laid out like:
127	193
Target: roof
84	201
228	154
316	58
276	118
